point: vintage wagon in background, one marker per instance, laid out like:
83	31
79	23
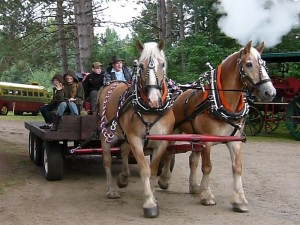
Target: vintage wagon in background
286	105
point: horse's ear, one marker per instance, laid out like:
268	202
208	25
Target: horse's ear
139	45
247	47
260	47
161	44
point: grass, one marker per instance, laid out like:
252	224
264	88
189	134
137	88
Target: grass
280	134
25	117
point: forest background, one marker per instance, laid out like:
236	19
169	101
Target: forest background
39	38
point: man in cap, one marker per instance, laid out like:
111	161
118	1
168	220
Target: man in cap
118	71
92	83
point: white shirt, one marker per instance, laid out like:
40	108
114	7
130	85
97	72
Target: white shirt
119	75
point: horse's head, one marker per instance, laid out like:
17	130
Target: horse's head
253	73
152	67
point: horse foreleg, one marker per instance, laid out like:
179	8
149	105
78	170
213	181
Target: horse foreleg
206	196
150	206
125	173
239	202
106	156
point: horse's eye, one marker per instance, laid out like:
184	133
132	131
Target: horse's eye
249	64
141	66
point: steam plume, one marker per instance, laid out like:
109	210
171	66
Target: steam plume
258	20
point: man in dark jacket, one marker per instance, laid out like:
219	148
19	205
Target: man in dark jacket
57	96
117	71
92	83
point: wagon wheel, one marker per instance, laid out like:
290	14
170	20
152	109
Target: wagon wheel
37	151
254	122
293	117
30	145
4	110
271	122
53	160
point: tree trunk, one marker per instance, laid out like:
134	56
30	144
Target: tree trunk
169	21
83	20
61	36
161	18
181	32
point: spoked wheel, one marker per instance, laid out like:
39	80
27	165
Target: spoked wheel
293	117
271	122
254	122
53	160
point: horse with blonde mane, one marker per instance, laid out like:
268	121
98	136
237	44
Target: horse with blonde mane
130	112
220	110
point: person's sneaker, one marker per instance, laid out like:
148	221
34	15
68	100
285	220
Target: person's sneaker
46	126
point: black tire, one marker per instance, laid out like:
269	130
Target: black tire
38	151
53	161
161	164
293	118
31	145
254	122
4	110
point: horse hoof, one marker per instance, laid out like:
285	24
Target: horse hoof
208	202
163	186
195	190
151	212
113	195
242	208
122	181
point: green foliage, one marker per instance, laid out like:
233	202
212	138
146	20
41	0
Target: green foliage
109	44
187	61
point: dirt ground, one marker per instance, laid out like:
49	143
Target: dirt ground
271	178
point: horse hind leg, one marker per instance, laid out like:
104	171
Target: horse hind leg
238	201
123	177
111	192
165	176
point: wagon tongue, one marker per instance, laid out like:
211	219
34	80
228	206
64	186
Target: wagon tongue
195	137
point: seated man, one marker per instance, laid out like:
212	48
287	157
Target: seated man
57	97
117	71
73	98
92	83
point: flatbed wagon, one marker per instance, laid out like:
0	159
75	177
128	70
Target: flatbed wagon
79	135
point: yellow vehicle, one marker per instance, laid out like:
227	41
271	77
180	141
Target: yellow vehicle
20	98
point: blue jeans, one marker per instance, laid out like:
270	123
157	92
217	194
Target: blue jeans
63	106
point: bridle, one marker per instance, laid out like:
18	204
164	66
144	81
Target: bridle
245	77
144	82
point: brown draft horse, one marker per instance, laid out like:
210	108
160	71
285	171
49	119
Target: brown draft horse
220	110
129	112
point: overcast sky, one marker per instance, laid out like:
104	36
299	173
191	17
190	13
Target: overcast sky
121	11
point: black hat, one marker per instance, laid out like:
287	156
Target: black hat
115	59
